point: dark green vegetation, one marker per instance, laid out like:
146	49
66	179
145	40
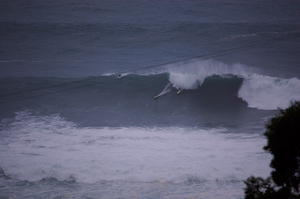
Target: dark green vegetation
283	134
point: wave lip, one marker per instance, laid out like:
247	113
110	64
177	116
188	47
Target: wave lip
192	75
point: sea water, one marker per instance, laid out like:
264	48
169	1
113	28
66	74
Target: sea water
78	81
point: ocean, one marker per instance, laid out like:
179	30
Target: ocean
78	80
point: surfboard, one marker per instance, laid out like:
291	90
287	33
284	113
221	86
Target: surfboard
179	91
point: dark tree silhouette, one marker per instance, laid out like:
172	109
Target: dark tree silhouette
283	134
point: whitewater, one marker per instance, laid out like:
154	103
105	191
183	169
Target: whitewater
142	159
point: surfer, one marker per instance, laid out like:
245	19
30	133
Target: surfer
179	90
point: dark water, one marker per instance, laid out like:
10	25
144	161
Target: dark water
129	101
72	128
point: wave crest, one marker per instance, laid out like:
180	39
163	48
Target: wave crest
192	75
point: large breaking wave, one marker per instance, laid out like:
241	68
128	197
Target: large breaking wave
259	91
213	93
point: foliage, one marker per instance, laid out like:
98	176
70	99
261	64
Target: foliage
258	188
283	134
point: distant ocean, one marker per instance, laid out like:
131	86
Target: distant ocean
77	87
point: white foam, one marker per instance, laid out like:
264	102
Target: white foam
269	93
35	147
192	75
